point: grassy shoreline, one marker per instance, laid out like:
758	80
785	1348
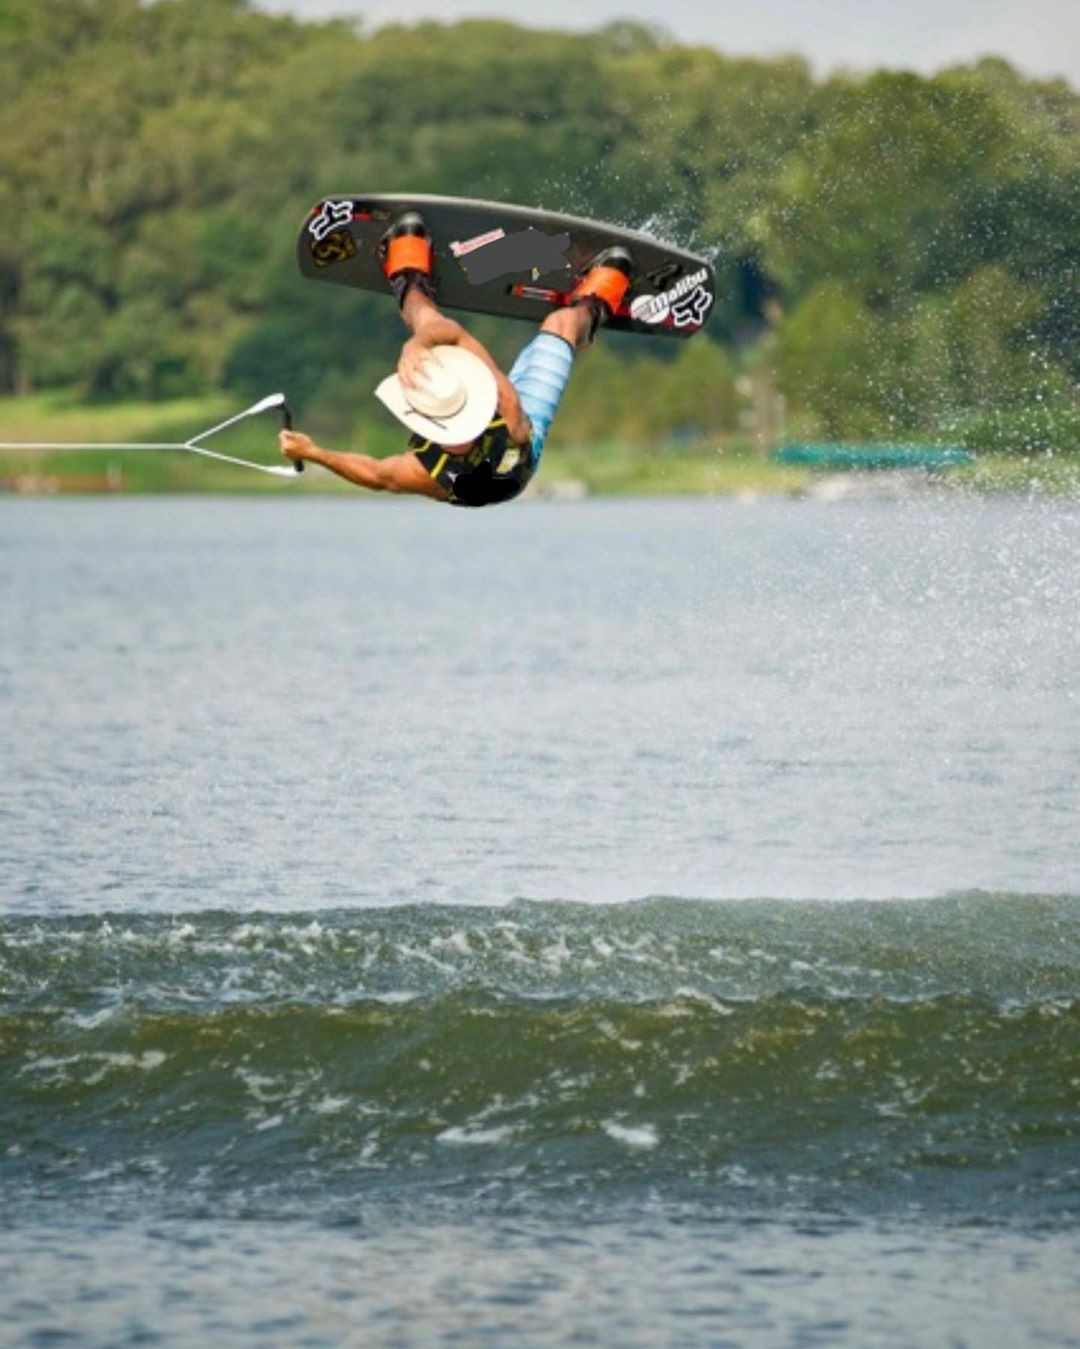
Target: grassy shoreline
608	469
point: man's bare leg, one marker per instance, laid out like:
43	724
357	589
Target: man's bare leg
573	324
418	309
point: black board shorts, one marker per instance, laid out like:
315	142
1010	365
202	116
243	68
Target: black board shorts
494	470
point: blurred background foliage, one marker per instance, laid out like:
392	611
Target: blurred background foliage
898	254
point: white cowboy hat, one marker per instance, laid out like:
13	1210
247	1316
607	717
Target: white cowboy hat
452	400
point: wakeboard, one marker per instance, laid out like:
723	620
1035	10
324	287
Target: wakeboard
510	261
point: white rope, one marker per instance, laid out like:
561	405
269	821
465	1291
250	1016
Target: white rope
274	400
91	445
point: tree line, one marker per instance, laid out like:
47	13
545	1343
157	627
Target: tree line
898	255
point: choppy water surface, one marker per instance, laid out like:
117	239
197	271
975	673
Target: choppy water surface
619	923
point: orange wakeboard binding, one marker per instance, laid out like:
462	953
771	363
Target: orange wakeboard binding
604	285
407	256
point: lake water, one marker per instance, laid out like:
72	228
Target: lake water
619	922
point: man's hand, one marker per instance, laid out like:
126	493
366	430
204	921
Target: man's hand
415	354
295	445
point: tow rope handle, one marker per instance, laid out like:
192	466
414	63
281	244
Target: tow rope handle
286	422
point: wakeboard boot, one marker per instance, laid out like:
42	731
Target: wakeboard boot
407	256
604	285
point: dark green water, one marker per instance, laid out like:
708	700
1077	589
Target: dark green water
308	1035
662	1122
768	1057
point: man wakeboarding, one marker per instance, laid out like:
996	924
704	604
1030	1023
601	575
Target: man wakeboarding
477	433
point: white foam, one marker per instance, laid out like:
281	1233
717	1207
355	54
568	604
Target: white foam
464	1135
147	1060
330	1105
144	1062
633	1136
557	953
681	1007
91	1020
413	953
457	941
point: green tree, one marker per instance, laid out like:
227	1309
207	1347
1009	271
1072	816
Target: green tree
844	365
981	372
879	193
913	240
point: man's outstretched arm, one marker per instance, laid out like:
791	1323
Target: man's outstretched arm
397	473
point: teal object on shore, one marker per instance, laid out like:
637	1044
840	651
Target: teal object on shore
854	457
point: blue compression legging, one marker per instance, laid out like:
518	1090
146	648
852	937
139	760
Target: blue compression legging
540	376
